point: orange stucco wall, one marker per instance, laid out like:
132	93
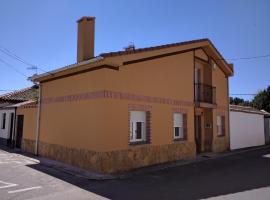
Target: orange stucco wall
29	125
201	54
220	81
102	124
90	110
170	77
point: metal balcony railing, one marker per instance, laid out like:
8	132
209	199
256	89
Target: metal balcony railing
205	93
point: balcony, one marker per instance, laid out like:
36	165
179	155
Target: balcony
205	93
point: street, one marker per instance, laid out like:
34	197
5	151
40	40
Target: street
18	180
237	176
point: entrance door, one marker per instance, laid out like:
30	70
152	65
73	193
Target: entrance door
198	133
11	128
19	131
208	130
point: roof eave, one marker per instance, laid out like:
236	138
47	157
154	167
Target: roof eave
37	78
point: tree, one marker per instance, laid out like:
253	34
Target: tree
262	100
240	101
236	101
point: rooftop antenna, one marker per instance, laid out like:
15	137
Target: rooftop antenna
130	47
34	68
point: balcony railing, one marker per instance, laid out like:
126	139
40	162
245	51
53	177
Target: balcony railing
205	93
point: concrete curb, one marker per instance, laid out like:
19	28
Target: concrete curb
75	171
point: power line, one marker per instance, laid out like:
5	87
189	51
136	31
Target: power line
247	58
14	56
6	90
12	67
243	94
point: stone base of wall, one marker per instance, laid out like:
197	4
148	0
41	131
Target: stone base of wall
28	146
3	141
116	161
220	144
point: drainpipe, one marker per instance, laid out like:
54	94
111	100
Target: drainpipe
14	129
229	131
38	119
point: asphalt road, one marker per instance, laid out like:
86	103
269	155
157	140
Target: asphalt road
22	178
245	174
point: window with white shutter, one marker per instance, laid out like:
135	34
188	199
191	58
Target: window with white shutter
137	126
178	126
220	125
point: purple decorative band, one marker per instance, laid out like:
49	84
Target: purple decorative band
115	95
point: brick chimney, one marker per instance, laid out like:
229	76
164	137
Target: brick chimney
85	43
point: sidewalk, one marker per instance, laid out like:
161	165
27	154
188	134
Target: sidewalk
261	193
79	172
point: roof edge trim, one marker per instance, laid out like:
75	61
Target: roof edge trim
35	78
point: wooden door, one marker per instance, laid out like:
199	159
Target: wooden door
208	130
198	133
19	131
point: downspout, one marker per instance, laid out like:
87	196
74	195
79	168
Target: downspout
38	119
229	131
14	130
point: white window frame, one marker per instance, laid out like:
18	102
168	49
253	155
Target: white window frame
219	125
178	123
135	117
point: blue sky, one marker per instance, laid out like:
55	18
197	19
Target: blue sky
45	32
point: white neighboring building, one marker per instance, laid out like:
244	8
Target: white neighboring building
8	104
246	127
6	124
267	129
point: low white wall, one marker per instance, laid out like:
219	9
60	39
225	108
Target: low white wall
4	133
246	130
267	130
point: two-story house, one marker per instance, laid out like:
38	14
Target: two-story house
133	108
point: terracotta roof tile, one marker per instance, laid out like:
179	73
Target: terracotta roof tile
118	53
248	109
25	94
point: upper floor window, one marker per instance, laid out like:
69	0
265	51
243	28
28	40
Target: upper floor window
3	120
179	126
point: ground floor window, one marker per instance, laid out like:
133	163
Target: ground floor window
179	126
220	125
137	126
3	125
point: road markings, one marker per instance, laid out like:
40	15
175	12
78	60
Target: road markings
4	162
16	159
267	156
24	190
7	185
9	162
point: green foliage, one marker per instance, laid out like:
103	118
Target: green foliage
240	101
262	100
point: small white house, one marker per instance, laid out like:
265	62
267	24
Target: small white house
8	104
246	127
